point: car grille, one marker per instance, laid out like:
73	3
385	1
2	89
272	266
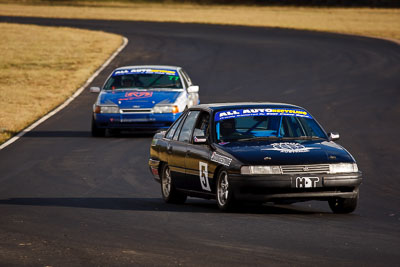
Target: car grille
315	168
137	110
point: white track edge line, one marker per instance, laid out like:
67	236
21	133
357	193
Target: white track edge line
69	100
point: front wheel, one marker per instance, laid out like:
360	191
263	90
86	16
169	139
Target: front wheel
168	191
343	205
97	132
225	197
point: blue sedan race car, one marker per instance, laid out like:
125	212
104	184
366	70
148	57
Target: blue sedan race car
142	98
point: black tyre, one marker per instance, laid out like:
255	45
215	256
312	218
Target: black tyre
168	191
225	198
97	132
343	205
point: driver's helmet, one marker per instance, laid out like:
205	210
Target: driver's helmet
127	82
227	127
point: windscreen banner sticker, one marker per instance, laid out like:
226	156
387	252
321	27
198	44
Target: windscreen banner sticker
136	95
203	174
290	148
145	71
221	159
230	114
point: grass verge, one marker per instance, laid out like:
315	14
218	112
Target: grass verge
384	23
39	70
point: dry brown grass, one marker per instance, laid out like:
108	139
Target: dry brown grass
39	70
361	21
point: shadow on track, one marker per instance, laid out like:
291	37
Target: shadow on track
46	134
57	134
153	204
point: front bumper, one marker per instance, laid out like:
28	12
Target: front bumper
142	121
279	187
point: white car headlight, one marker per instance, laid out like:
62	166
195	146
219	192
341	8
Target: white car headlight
343	168
106	109
166	109
260	170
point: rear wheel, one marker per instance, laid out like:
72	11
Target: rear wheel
168	191
343	205
225	198
97	132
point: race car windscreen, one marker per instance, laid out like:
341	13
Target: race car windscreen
268	123
144	79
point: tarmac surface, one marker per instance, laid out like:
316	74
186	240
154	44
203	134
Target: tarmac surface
67	198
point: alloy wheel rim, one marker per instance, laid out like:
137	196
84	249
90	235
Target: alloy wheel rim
167	182
223	188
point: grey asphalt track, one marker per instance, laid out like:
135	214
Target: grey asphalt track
67	199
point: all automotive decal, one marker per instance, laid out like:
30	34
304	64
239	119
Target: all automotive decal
290	148
136	95
229	114
203	174
145	71
221	159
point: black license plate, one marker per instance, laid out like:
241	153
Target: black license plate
307	182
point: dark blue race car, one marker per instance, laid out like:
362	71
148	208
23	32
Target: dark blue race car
265	152
142	98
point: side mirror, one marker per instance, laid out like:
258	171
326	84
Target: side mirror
193	89
333	136
95	89
199	139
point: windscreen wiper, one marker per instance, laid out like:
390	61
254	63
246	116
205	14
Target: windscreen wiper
260	138
303	138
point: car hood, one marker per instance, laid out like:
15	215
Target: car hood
137	99
286	153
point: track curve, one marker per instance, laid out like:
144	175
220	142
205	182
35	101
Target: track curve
69	199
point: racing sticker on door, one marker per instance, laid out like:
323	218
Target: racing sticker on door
203	169
308	182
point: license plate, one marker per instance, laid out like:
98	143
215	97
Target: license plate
307	182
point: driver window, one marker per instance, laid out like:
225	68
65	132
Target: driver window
184	79
172	130
201	127
187	127
178	130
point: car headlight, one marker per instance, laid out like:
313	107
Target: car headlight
260	170
106	109
343	167
166	109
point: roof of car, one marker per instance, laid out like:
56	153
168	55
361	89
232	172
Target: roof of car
149	67
236	105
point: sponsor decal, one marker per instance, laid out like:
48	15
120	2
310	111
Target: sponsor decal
229	114
307	182
290	148
203	174
145	71
136	95
221	159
